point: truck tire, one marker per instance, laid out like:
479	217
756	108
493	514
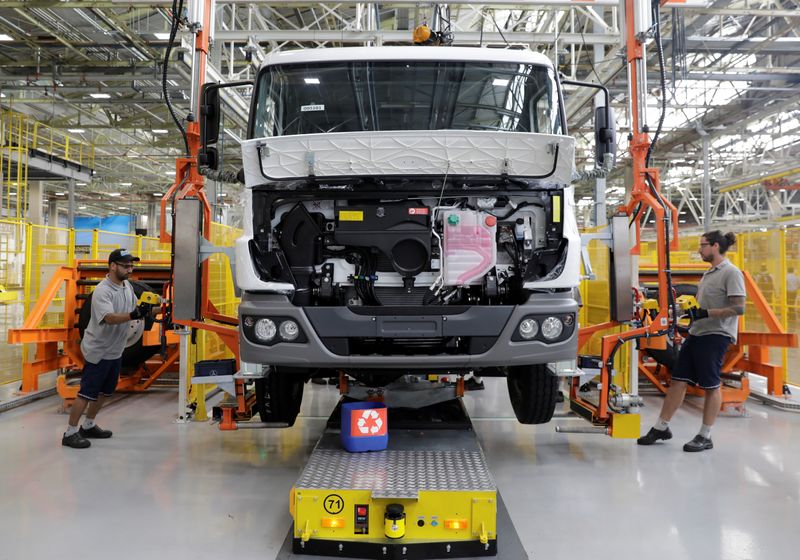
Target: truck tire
534	392
279	395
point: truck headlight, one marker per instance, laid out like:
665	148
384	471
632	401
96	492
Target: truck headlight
265	329
289	330
552	327
528	329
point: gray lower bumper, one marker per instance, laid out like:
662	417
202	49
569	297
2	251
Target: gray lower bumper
504	352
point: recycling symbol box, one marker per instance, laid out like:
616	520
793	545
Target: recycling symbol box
365	426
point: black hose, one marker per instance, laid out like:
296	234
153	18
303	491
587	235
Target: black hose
668	270
177	9
663	79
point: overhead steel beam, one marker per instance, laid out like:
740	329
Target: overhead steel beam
761	44
461	37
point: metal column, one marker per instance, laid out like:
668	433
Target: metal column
183	377
706	188
71	203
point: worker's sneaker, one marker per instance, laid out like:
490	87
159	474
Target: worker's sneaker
95	432
699	443
653	436
76	440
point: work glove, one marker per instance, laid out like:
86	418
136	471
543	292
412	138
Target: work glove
696	313
141	310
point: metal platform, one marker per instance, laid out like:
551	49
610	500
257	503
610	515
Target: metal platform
438	473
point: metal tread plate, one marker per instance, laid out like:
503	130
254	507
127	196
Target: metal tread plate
452	461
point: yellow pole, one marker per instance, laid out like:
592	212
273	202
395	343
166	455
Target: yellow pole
784	307
95	241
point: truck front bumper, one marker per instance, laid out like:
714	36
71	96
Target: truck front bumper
447	338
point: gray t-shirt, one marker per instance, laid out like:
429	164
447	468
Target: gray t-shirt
102	341
718	284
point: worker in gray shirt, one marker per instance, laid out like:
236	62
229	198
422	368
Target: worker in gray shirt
715	325
113	306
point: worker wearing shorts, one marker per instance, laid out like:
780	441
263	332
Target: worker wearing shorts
715	326
113	306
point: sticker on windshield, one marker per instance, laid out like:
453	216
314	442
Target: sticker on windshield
307	108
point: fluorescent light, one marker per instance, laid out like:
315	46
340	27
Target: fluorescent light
100	95
80	184
123	208
158	194
114	194
500	82
81	207
171	173
222	194
160	131
59	194
681	221
2	94
161	36
311	81
4	37
12	193
76	130
125	184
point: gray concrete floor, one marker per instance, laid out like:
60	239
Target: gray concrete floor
162	490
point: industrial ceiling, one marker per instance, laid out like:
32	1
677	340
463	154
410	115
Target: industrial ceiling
732	82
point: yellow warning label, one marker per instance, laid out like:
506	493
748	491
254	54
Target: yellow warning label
556	209
351	215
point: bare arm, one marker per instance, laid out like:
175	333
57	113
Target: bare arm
735	308
116	318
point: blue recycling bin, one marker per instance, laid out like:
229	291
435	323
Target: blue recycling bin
365	426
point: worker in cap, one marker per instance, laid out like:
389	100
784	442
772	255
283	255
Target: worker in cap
114	305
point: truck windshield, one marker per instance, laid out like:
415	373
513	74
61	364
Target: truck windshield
317	98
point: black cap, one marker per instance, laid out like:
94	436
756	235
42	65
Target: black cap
121	255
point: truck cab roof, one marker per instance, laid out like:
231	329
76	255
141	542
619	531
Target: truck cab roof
416	53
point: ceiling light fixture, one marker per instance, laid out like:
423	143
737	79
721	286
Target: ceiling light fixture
59	194
160	131
4	37
100	95
81	207
158	194
125	184
311	81
76	130
114	194
170	173
499	82
161	36
80	184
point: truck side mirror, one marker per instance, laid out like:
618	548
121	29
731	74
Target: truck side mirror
210	115
605	131
605	135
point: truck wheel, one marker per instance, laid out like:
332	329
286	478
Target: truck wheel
533	391
279	396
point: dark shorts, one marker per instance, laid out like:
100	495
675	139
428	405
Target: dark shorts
700	360
99	379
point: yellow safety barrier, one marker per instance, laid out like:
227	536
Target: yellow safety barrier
30	254
773	259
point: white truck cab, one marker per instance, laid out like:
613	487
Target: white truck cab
408	211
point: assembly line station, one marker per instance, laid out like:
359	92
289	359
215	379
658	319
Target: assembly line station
410	280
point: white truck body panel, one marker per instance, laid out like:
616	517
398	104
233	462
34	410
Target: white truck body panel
409	152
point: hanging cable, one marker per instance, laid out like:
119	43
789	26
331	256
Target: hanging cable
662	77
177	9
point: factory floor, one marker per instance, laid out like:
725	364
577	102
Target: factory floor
158	489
